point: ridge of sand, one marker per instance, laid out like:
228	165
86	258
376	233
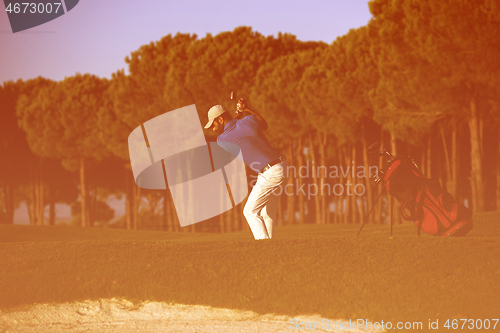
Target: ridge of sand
119	315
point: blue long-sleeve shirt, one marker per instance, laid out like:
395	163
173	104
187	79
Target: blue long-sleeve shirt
256	151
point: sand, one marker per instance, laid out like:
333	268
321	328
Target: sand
118	315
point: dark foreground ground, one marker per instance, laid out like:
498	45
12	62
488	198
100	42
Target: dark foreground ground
310	269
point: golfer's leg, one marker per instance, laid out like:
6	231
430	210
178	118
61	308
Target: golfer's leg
252	211
269	212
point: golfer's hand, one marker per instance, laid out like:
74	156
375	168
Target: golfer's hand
244	107
241	106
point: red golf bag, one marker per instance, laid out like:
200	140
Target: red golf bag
424	202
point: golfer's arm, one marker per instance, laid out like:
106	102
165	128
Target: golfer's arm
238	115
258	116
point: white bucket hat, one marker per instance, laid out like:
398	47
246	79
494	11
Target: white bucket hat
214	112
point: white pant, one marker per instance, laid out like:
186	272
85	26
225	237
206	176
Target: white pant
262	204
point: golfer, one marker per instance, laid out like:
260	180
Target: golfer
246	132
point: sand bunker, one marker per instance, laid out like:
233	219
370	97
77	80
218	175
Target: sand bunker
116	315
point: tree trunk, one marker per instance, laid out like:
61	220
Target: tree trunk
170	211
90	205
280	213
222	218
165	211
41	203
173	219
172	214
337	217
328	212
92	209
369	187
243	222
481	137
423	165
498	173
300	162
352	176
454	162
428	157
397	212
235	219
477	183
380	204
40	190
338	198
360	199
128	201
136	205
345	180
289	190
342	211
32	200
447	164
317	213
8	196
322	176
11	205
83	193
52	205
37	195
190	228
394	148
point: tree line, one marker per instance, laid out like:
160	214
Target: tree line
421	77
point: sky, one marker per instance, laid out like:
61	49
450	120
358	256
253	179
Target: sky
96	35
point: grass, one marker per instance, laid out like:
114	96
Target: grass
305	269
